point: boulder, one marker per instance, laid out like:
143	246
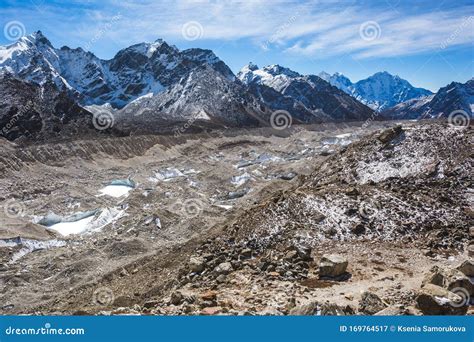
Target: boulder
389	134
450	279
209	295
210	311
467	267
332	266
435	276
151	304
224	268
370	303
328	309
304	252
123	301
197	264
470	251
176	298
351	191
458	280
435	300
357	229
246	254
290	255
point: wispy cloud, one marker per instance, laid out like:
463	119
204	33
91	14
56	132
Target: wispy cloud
397	36
312	28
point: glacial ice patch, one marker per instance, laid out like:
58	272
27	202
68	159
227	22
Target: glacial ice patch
118	188
81	222
29	245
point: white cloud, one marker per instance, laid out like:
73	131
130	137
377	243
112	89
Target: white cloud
313	28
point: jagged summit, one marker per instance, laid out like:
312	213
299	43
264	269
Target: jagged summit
454	98
250	66
306	97
380	91
36	38
133	72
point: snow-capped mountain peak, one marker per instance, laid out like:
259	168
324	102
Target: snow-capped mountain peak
273	76
36	38
384	90
338	80
278	70
380	91
308	97
455	97
133	72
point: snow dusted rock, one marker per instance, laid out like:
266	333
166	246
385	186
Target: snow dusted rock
332	266
435	300
147	87
391	180
201	97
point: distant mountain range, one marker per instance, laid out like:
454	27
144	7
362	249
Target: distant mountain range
454	97
155	87
379	91
307	97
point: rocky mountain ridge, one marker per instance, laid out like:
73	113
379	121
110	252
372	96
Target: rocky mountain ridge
455	102
308	96
379	91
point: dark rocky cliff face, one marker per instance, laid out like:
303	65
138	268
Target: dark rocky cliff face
33	111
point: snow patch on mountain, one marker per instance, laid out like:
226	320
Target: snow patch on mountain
379	91
308	98
134	72
454	97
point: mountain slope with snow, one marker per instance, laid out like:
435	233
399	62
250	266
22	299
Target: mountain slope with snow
308	97
204	96
133	72
379	91
454	97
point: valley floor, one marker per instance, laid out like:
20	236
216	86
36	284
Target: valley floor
180	225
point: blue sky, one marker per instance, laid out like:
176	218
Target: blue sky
429	43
